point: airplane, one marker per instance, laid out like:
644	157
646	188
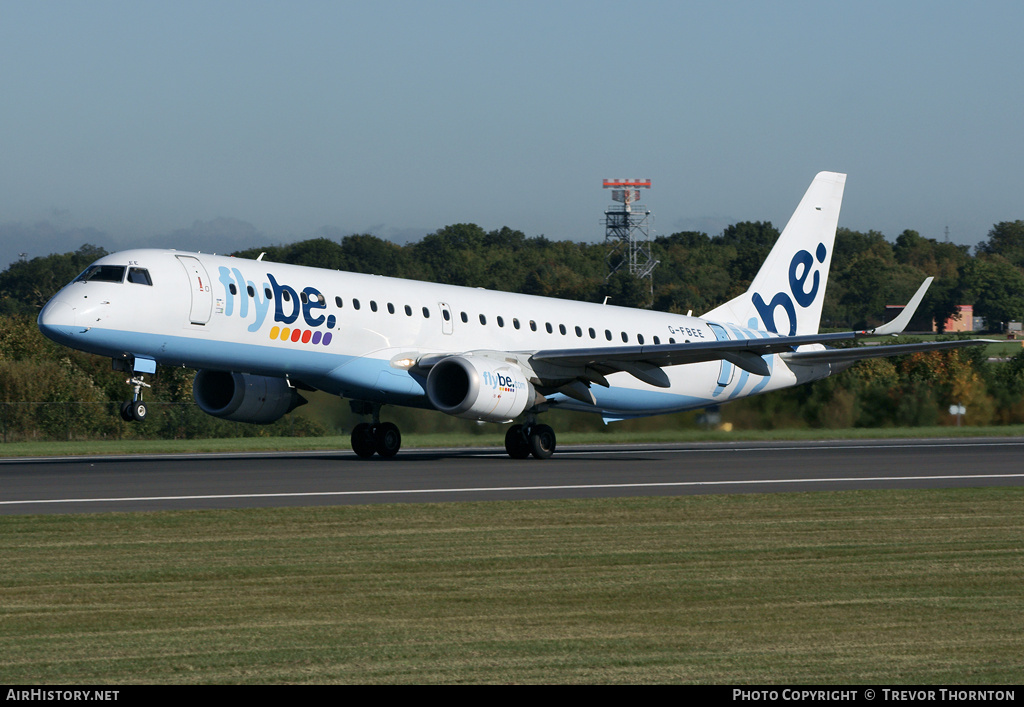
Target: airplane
258	333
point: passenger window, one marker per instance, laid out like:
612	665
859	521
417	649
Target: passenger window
426	313
533	325
250	291
625	337
339	302
657	341
444	313
593	334
608	334
267	293
501	322
140	276
373	305
391	308
231	288
640	338
408	311
515	323
547	325
579	332
483	320
465	319
304	297
355	304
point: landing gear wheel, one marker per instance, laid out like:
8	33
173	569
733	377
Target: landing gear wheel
387	439
134	410
138	411
362	440
516	444
542	441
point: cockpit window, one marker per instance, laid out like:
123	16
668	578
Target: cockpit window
140	276
102	273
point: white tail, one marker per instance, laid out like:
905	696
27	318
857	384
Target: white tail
793	278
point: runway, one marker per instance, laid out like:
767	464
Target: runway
232	480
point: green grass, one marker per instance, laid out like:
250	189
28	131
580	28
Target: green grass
850	587
495	440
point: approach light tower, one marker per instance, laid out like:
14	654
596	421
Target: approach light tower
627	228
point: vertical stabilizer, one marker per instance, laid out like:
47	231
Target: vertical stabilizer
787	294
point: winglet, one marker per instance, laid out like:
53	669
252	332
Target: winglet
900	323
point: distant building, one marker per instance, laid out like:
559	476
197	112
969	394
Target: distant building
963	320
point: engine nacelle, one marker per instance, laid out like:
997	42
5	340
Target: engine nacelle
479	389
243	397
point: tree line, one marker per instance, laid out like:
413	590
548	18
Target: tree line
696	273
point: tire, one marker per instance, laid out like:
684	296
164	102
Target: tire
138	411
362	441
516	444
542	442
126	411
387	439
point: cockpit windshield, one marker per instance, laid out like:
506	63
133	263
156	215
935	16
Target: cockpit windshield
140	276
102	273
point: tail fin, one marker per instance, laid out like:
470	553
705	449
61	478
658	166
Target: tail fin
787	293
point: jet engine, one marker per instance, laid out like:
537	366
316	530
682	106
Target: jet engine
479	389
243	397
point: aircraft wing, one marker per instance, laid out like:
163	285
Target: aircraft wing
646	362
862	352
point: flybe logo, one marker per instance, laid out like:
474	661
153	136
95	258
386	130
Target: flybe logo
287	304
500	382
800	271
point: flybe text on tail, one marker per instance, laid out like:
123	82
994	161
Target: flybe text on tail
800	270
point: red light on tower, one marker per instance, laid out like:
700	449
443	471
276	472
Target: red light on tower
626	191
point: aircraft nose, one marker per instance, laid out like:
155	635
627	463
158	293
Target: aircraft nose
57	320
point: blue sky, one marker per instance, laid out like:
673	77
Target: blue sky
208	123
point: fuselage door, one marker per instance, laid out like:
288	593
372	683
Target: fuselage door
725	374
446	317
199	286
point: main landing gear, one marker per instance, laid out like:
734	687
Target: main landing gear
381	438
531	438
134	410
378	437
384	438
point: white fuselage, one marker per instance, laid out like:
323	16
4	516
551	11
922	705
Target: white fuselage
345	333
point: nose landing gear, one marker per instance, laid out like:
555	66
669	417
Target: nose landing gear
134	410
